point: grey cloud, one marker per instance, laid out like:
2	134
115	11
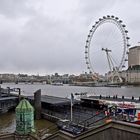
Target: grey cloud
46	44
15	8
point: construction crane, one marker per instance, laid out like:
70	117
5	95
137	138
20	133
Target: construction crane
112	67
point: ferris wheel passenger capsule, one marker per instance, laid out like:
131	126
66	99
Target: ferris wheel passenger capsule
112	16
90	72
120	21
108	16
128	45
104	17
116	18
127	37
90	30
126	31
124	25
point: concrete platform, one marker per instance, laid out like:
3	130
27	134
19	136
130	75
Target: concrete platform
52	100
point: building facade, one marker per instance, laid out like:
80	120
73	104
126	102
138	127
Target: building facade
133	71
134	56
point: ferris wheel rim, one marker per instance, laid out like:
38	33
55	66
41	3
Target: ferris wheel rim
125	38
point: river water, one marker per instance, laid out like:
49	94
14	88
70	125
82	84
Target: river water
7	121
65	91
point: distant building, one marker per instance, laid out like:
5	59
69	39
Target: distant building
133	71
134	56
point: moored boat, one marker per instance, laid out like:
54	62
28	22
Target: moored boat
57	84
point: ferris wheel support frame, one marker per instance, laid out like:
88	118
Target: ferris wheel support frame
112	67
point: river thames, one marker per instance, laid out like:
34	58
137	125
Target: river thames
66	90
7	121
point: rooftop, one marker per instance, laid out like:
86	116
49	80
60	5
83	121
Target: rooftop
52	100
24	105
137	46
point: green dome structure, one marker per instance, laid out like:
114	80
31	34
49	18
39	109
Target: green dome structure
24	118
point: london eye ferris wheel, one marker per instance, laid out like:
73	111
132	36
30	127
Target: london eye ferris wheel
107	46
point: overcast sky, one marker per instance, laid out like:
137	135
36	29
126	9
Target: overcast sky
48	36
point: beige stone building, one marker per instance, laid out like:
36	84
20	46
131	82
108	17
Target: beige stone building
134	56
133	71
